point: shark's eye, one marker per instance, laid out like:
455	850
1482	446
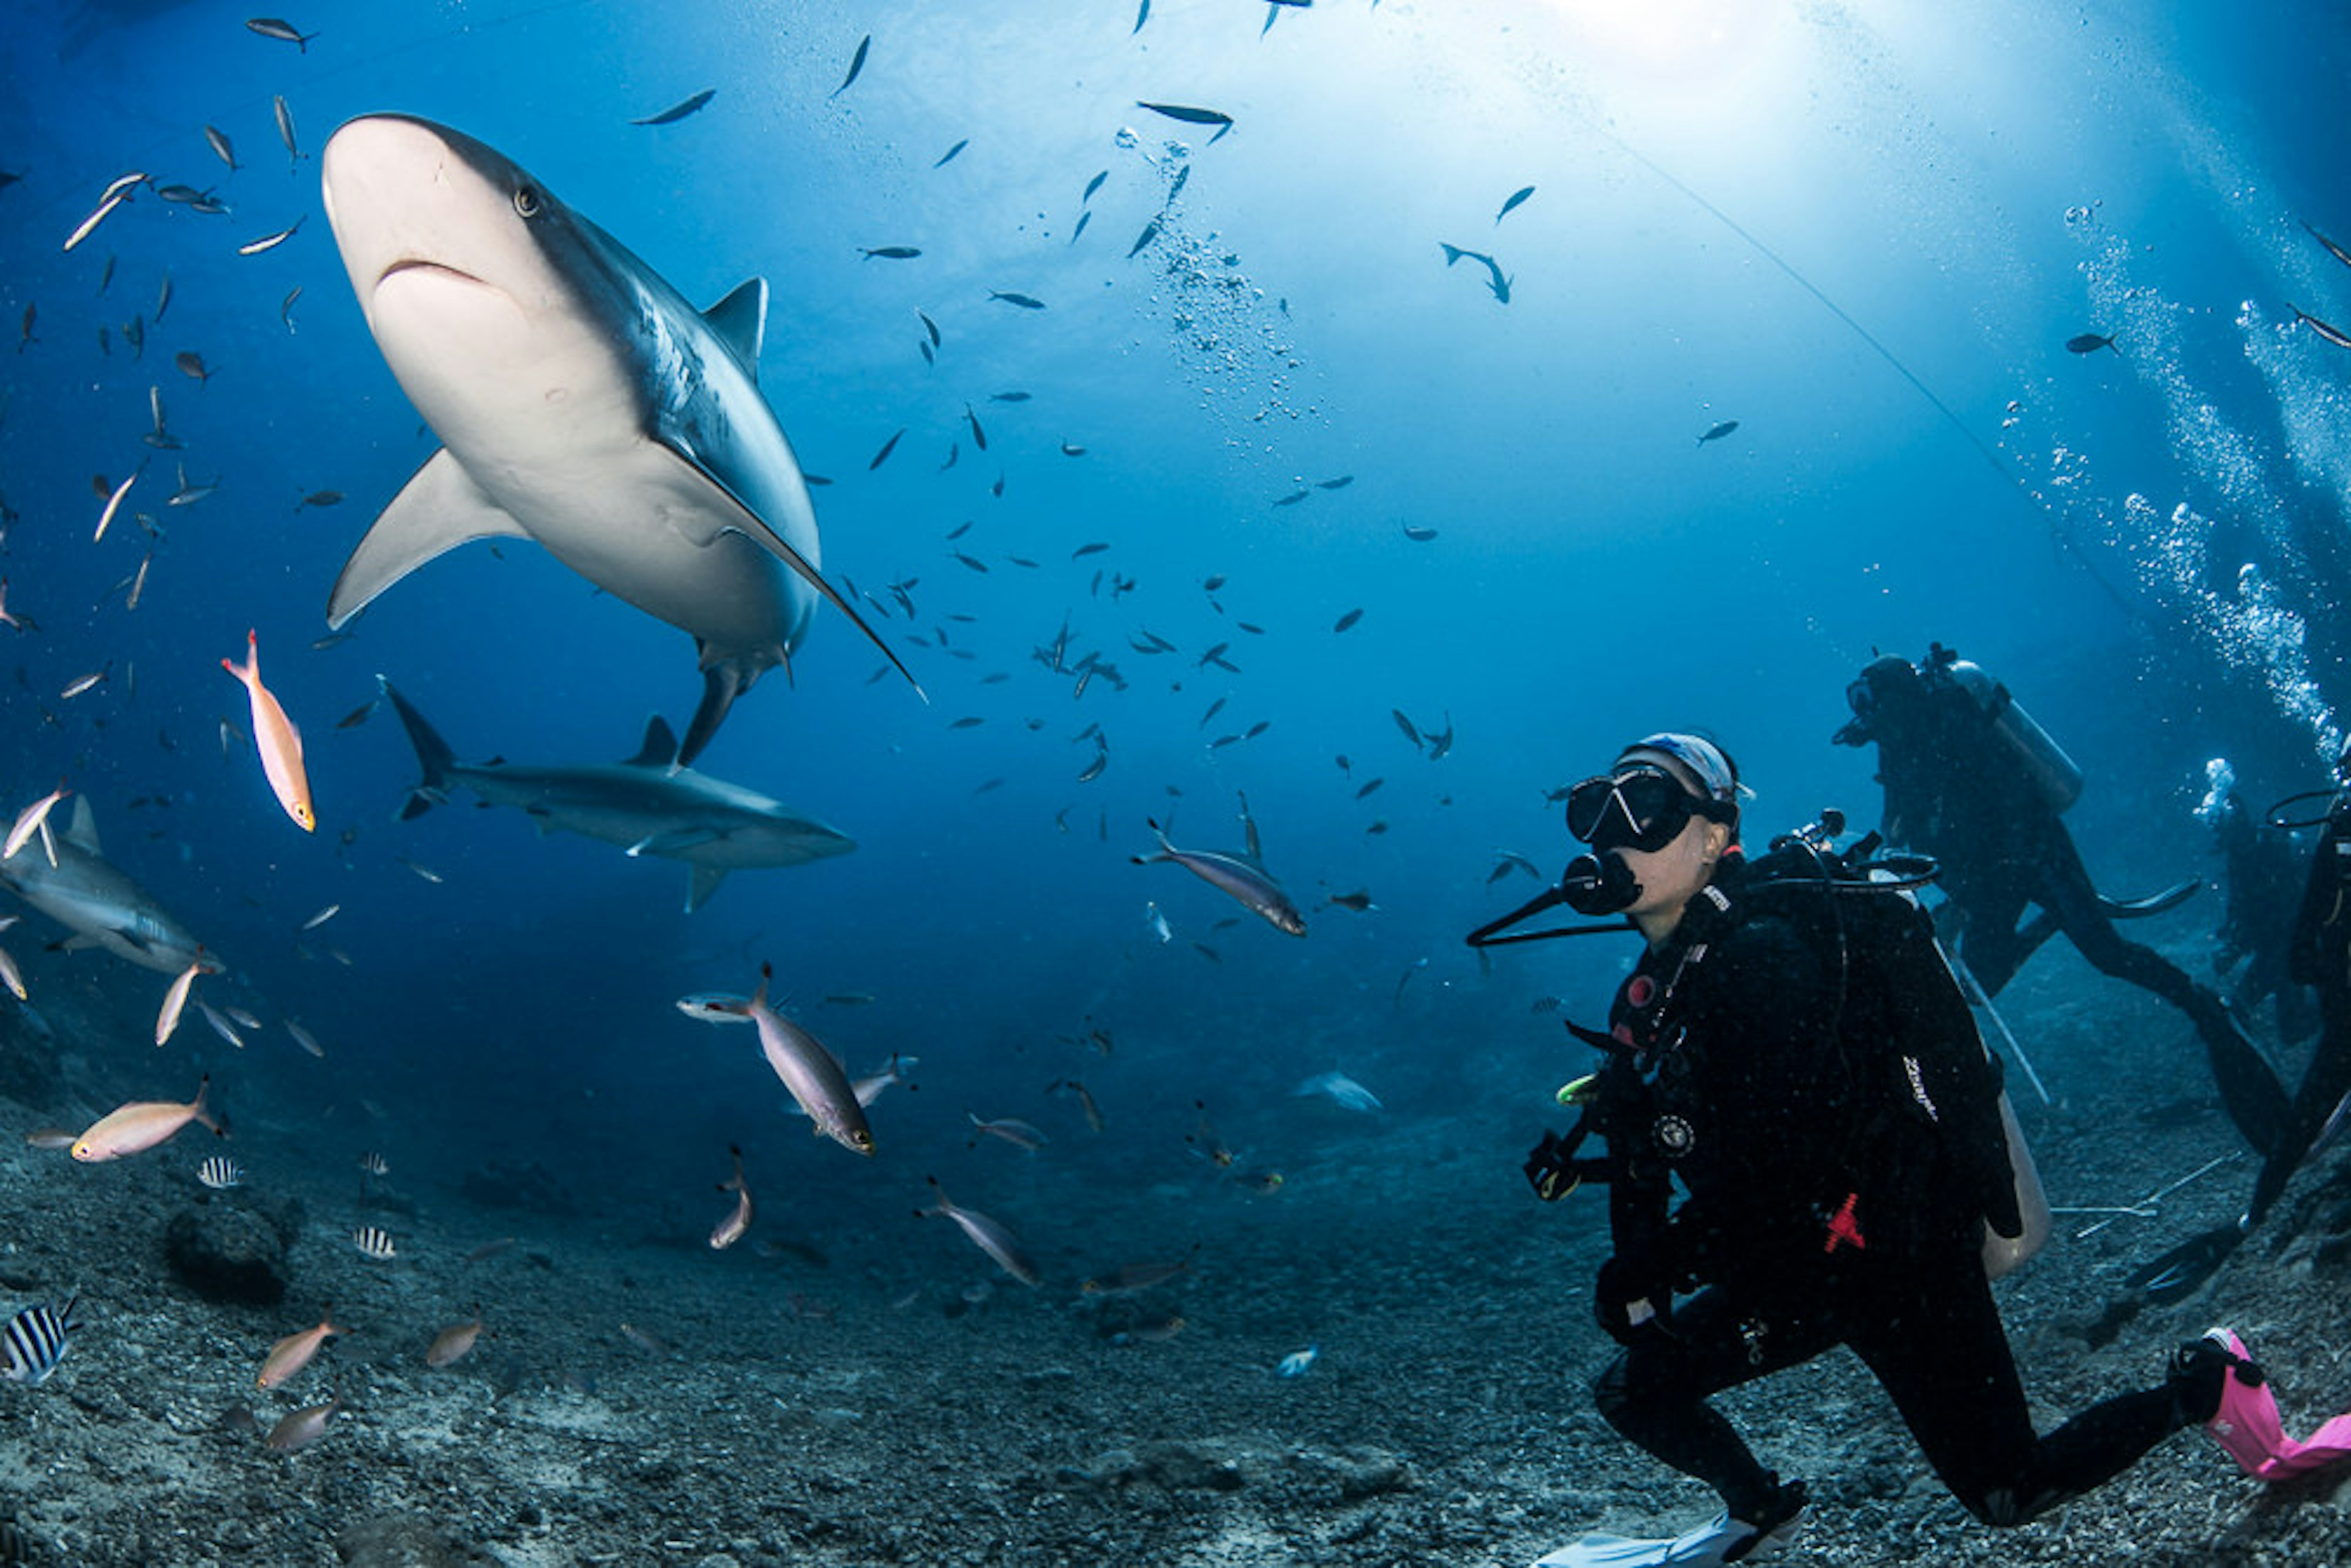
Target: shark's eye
526	201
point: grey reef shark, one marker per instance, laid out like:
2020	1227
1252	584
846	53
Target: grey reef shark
582	403
649	805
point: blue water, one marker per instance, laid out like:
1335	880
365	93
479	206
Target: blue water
1970	193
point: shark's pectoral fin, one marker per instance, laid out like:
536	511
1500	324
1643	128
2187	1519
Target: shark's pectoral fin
740	321
702	880
675	841
755	527
440	508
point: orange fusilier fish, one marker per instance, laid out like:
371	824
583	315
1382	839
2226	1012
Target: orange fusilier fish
453	1344
141	1126
275	737
292	1353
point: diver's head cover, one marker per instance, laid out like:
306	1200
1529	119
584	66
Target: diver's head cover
1706	765
1888	691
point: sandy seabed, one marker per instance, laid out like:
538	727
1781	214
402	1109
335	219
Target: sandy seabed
893	1398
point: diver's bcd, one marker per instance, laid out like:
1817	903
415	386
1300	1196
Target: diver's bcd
1925	1067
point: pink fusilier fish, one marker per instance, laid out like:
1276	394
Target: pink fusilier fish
731	1229
141	1126
812	1073
988	1234
175	1000
31	820
274	735
292	1353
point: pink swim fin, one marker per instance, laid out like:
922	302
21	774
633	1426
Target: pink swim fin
2247	1425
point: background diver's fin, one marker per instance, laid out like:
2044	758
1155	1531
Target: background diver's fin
2153	904
2178	1272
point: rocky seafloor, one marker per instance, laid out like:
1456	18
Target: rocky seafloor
889	1397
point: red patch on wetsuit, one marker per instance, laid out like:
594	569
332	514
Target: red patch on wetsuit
1844	1229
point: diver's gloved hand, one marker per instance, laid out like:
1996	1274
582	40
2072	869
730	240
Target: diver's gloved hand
1626	1305
1551	1168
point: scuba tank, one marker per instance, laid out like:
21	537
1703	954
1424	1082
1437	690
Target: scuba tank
2053	773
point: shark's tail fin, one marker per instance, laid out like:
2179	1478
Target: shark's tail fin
433	757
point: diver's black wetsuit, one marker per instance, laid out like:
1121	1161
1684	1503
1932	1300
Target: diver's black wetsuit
2320	956
2264	867
1954	791
1807	1230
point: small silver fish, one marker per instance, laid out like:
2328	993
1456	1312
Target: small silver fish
220	1025
303	1427
731	1229
283	31
1341	1090
1018	1134
270	242
1241	877
990	1237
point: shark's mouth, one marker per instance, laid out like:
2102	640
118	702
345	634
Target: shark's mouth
419	265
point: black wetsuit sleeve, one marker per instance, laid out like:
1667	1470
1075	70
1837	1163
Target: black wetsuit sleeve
1641	1185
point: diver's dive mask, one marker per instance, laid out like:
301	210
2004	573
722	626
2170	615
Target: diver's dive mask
1638	808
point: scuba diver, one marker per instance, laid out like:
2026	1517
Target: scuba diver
1973	782
1794	1053
2320	956
2262	865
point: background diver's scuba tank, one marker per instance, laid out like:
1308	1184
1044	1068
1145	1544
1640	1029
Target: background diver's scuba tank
2053	773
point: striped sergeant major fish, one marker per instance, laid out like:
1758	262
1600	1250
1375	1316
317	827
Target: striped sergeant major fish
34	1341
374	1242
220	1173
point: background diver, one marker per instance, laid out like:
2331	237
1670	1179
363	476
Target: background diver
1972	780
1769	1066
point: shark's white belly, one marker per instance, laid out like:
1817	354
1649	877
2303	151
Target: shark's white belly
549	417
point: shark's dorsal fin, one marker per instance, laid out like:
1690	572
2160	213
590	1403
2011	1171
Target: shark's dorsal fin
440	508
659	748
740	321
83	832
